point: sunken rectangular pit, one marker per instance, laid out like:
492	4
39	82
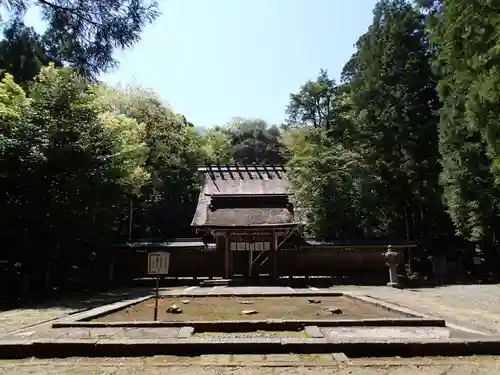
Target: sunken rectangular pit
247	313
218	308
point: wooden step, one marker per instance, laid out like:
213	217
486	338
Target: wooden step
218	282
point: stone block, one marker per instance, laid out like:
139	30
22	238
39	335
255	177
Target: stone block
251	358
216	358
340	357
185	333
282	357
314	332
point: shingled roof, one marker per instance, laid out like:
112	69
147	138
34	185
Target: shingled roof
239	196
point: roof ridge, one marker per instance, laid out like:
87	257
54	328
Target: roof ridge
267	168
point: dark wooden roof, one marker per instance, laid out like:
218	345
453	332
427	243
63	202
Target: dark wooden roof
175	244
244	180
244	217
243	195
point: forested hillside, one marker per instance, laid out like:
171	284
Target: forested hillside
406	145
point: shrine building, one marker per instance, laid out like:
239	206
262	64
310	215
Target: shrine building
249	211
248	227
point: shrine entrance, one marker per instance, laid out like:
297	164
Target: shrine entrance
251	259
252	253
248	254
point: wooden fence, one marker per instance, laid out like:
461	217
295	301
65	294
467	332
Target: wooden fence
361	265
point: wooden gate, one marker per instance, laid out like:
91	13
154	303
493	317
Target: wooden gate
251	259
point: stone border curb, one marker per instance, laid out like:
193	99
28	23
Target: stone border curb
389	306
352	349
83	320
96	312
312	293
251	325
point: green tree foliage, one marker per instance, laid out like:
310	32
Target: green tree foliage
66	168
85	33
407	146
331	183
321	104
372	177
466	40
393	92
74	156
330	177
254	141
216	146
22	52
173	153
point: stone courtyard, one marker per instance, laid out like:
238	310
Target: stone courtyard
472	307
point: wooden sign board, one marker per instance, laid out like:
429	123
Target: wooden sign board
158	263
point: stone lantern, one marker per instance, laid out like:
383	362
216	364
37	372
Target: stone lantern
392	258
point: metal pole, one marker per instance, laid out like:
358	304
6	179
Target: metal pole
131	212
157	296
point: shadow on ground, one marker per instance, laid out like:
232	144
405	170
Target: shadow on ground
76	301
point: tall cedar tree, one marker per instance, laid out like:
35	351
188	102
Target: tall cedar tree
393	93
466	40
85	33
23	52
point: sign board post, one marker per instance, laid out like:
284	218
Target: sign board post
158	264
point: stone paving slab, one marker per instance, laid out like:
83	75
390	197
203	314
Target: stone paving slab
367	333
227	364
237	290
104	346
117	334
105	309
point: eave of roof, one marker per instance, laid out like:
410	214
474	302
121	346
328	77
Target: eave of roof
256	227
179	244
381	243
248	195
241	168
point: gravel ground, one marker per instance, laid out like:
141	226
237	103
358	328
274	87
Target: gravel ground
252	335
472	306
15	319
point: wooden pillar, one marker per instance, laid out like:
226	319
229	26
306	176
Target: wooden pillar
250	261
226	256
273	255
231	256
